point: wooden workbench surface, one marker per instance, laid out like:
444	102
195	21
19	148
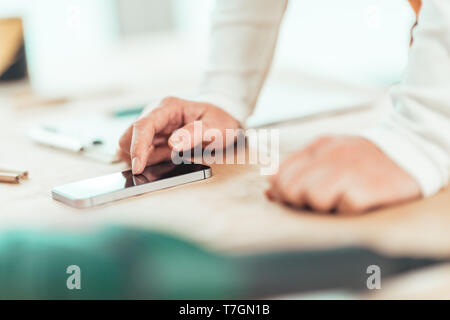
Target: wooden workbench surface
227	212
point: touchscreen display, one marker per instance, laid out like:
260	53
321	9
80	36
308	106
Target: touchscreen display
121	180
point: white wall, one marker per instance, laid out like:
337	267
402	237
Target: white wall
11	8
363	40
141	16
357	40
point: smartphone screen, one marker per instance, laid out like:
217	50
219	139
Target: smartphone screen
124	180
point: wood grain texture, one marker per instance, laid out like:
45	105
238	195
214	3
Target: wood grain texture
228	212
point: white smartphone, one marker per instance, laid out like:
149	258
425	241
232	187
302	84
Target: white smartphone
120	185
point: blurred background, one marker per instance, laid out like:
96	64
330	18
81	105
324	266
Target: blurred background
66	64
350	49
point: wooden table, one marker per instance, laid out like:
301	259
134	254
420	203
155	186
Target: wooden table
227	212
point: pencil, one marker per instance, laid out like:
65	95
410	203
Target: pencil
9	177
22	173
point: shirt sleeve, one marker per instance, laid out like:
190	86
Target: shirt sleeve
416	133
243	40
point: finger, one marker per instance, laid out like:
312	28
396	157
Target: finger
187	137
295	198
324	193
356	200
268	194
352	202
296	190
159	154
294	163
125	140
141	144
303	156
319	185
144	131
288	182
290	172
273	193
160	140
123	156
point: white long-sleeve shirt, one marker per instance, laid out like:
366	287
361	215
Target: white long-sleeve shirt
416	134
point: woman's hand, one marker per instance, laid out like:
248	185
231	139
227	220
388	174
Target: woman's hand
344	173
152	137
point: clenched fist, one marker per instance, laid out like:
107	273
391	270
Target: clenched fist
346	173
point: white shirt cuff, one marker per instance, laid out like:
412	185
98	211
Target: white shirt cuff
410	157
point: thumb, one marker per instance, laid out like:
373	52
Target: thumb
187	137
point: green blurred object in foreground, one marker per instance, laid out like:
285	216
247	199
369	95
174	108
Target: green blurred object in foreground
115	264
121	263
